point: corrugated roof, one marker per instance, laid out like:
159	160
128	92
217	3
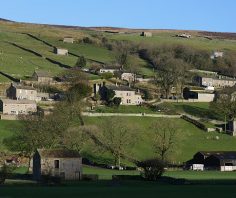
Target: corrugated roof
220	154
58	153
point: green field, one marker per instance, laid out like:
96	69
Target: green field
7	128
192	139
163	38
121	189
125	109
198	109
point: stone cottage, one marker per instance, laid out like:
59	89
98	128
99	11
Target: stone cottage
42	77
63	163
21	92
17	107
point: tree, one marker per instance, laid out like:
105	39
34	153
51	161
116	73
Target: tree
116	137
224	104
165	138
117	101
170	73
122	53
107	94
81	62
30	136
153	168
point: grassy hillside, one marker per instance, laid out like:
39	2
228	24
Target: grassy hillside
26	47
192	138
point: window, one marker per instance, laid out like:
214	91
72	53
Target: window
56	163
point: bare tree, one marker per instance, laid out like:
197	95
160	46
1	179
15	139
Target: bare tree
116	137
165	138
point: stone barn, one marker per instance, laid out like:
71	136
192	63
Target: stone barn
61	51
63	163
146	34
42	77
68	40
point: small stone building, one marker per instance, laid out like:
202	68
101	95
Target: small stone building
42	77
130	77
217	82
17	107
61	51
21	92
68	40
146	34
63	163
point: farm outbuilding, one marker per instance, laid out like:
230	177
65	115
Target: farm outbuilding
213	160
63	163
146	34
68	40
61	51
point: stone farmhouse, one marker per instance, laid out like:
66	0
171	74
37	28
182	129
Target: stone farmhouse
128	96
42	77
213	160
146	34
68	40
21	92
61	51
66	164
218	82
130	77
17	107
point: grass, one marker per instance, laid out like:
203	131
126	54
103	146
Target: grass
202	175
191	139
125	109
138	189
106	174
198	109
7	128
168	38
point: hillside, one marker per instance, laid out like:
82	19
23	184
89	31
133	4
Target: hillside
26	47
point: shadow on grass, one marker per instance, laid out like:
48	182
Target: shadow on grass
201	112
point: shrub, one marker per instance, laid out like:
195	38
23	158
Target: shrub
5	172
117	101
107	75
153	169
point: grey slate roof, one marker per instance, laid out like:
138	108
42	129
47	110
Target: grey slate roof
119	88
43	74
9	101
58	153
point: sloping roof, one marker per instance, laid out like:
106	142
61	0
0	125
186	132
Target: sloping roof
220	154
40	73
20	86
230	155
119	88
58	153
9	101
